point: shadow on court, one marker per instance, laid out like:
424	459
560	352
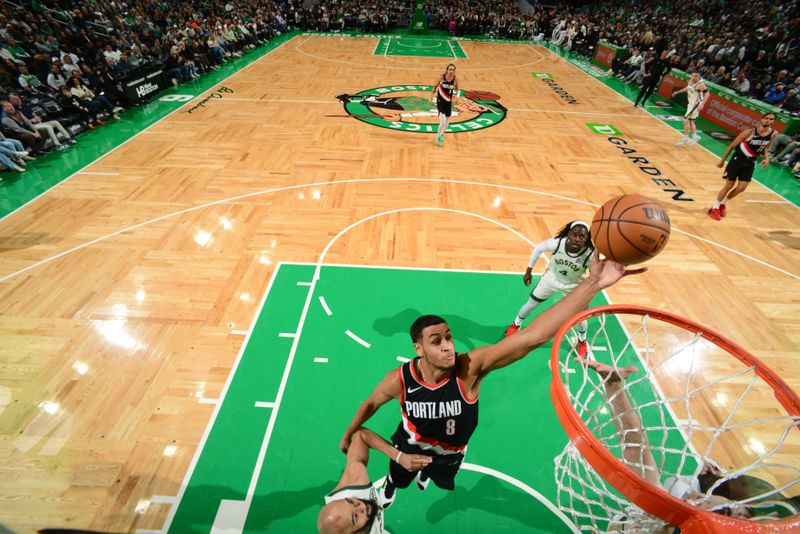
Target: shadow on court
269	508
497	499
467	333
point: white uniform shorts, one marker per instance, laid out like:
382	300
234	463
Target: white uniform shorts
548	286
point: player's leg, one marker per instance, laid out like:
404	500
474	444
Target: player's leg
743	178
687	128
398	477
730	176
583	346
693	126
442	129
542	291
443	471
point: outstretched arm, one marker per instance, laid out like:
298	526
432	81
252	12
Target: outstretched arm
604	273
632	437
386	390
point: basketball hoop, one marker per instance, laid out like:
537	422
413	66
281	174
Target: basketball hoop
683	369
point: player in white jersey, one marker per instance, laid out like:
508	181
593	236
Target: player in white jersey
354	506
696	92
571	251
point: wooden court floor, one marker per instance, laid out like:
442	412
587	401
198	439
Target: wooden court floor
124	293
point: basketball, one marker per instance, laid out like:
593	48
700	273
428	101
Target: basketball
630	229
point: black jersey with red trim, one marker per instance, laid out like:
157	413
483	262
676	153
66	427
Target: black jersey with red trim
438	418
446	89
756	143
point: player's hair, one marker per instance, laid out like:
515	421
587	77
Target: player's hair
567	227
421	324
769	113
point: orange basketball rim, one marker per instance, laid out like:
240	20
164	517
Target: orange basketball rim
650	498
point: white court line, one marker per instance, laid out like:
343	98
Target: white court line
212	88
768	201
659	120
599	349
278	100
357	339
407	268
99	173
304	284
239	332
287	334
200	446
320	360
205	400
452	50
358	180
630	116
426	67
163	499
263	404
399	358
146	531
325	306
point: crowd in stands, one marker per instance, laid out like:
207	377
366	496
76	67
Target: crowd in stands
61	61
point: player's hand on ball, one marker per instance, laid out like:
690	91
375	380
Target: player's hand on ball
414	462
607	272
526	278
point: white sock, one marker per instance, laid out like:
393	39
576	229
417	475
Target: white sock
716	204
583	326
442	125
724	200
526	309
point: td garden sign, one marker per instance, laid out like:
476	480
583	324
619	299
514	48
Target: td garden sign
409	108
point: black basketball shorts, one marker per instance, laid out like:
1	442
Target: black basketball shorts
444	107
739	168
442	470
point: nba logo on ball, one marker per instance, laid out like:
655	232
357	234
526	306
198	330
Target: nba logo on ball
630	229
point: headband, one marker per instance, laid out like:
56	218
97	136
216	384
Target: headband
579	223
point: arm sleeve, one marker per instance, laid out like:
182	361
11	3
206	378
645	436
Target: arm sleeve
545	246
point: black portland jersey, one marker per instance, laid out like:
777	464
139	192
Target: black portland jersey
756	143
446	89
436	417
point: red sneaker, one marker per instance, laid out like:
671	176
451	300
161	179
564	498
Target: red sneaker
511	330
714	214
723	210
582	349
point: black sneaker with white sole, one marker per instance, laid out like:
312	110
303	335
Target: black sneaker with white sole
422	481
387	494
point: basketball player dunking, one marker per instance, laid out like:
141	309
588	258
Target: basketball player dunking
696	93
438	390
445	89
746	148
571	251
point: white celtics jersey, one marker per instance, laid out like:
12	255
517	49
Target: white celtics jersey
568	268
693	95
365	493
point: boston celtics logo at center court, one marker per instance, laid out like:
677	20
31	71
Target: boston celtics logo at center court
409	108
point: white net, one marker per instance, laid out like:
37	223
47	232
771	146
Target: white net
692	418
